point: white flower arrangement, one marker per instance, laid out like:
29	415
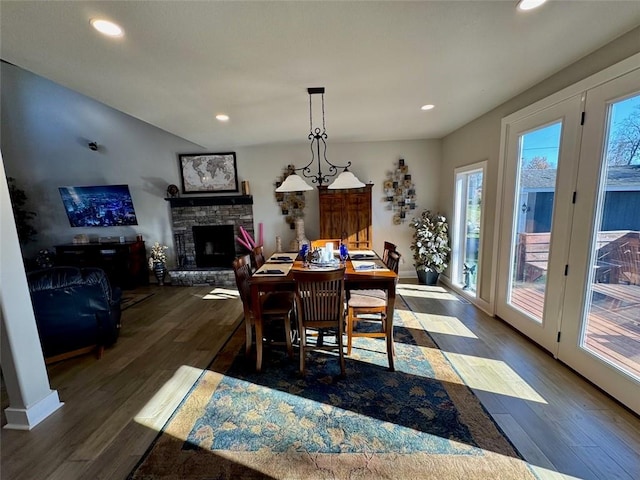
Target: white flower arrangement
157	254
430	242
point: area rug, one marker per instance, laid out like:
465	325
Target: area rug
419	422
131	299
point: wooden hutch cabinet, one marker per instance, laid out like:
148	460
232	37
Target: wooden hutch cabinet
346	214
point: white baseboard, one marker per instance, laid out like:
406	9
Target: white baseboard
477	302
27	418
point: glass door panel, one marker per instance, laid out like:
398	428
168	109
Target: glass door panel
601	310
536	185
612	323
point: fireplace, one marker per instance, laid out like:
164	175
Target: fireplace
205	231
214	245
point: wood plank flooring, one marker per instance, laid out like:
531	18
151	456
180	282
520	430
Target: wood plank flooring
563	425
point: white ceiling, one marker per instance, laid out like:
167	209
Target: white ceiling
182	62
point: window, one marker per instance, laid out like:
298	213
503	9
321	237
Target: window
467	224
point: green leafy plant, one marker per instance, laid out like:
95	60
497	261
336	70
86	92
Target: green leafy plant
430	243
23	217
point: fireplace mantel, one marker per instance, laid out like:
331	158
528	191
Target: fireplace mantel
207	201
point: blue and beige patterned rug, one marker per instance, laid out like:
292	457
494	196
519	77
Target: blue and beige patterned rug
418	422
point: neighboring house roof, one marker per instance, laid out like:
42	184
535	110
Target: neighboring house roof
626	176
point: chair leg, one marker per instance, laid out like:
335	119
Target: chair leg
350	315
302	338
287	333
341	353
248	336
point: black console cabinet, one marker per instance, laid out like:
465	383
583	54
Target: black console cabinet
124	263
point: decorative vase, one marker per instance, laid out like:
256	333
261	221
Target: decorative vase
160	271
301	238
428	277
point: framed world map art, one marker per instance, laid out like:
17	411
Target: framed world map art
209	172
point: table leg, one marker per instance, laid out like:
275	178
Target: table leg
391	300
257	320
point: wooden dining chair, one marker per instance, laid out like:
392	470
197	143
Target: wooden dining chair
257	257
276	306
388	247
322	242
372	303
319	300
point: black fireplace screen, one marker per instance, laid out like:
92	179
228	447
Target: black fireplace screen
214	245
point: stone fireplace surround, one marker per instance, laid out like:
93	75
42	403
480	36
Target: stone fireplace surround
187	212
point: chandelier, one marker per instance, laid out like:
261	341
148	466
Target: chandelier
318	146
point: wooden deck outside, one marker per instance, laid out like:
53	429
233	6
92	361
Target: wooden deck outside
613	328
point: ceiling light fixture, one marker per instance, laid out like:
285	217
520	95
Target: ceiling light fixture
318	137
222	117
529	4
427	107
106	27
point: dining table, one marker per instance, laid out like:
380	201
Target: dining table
363	270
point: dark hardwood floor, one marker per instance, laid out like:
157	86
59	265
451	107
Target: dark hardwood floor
563	426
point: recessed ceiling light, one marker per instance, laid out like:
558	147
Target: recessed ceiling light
529	4
107	28
222	117
427	107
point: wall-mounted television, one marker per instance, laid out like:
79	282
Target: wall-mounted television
99	206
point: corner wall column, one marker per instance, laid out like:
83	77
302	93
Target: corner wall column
31	399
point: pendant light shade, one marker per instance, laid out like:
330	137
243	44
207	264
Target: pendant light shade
346	180
293	183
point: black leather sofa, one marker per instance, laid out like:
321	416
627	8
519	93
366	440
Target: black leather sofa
76	310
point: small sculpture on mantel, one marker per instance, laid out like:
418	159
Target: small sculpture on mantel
173	191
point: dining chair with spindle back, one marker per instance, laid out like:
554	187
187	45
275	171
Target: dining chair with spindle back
275	306
372	303
319	300
257	257
388	247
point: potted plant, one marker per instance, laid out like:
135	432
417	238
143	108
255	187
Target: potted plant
430	246
23	217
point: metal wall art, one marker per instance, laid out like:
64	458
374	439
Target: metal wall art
400	192
291	203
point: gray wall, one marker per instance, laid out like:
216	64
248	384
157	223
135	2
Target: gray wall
480	139
45	129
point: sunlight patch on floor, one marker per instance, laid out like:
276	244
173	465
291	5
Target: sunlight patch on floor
159	408
493	376
444	324
546	474
221	294
424	291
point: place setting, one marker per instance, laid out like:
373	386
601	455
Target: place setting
270	269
